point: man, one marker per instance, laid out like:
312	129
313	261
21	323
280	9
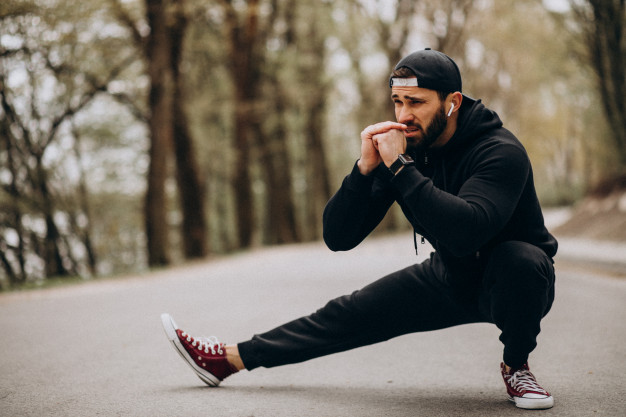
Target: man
464	183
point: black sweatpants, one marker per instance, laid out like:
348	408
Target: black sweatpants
513	288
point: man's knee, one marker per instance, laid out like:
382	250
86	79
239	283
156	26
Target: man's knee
518	287
519	265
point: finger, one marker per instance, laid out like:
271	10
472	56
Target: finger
375	142
387	126
381	127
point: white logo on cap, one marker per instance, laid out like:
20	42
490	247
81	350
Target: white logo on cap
404	82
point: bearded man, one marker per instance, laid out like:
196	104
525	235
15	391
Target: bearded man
465	184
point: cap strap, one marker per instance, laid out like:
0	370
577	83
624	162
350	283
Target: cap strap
403	82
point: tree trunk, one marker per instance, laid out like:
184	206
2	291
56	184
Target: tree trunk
160	128
241	180
281	226
190	189
51	255
275	162
317	169
83	206
12	209
607	48
244	68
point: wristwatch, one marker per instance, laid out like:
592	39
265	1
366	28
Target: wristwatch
403	159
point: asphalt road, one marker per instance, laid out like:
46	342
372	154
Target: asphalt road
99	349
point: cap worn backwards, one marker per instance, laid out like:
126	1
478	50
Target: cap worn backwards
434	70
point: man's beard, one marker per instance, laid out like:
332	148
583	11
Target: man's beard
432	131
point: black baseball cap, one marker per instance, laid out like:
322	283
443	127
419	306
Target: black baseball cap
434	70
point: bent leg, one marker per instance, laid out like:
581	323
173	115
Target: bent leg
410	300
518	291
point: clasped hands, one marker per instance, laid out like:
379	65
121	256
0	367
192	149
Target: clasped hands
381	142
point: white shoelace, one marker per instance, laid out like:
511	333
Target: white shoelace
524	380
205	343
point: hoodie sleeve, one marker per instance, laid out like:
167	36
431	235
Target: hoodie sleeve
463	223
355	210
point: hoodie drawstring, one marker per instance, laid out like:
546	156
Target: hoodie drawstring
422	241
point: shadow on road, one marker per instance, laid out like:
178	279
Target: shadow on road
345	400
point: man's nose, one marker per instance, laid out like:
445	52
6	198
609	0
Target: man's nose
404	116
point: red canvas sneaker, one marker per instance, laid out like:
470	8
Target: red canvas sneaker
206	356
524	390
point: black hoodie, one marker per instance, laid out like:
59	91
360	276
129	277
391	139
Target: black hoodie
465	198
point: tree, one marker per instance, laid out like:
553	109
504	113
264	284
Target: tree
272	134
160	125
312	59
604	32
245	58
190	189
163	53
47	78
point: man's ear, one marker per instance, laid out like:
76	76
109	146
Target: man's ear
455	99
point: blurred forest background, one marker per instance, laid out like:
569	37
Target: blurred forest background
141	133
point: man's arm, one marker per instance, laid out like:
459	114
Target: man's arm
355	210
362	201
463	223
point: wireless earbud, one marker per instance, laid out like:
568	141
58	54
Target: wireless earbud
451	108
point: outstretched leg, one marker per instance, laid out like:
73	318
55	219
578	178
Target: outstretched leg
410	300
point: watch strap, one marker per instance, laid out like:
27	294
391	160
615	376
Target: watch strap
403	159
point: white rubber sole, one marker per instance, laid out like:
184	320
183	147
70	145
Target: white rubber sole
533	403
170	330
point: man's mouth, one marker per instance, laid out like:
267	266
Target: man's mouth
410	130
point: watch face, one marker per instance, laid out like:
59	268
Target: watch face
405	159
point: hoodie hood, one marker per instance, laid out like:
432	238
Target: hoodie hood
474	120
